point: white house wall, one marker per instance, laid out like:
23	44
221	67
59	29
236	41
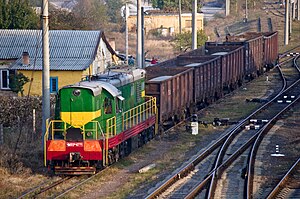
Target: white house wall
103	58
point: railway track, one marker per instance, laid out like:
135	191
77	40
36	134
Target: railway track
44	187
40	190
289	185
192	170
275	10
274	172
198	164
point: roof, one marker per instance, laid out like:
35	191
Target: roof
69	49
160	79
111	81
220	53
121	77
96	87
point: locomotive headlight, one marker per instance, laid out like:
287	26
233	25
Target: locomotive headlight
76	92
89	134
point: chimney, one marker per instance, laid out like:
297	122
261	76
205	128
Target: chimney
25	58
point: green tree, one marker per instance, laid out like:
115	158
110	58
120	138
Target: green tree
183	41
169	5
17	14
61	19
113	10
17	81
90	14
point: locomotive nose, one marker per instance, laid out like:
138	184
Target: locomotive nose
75	156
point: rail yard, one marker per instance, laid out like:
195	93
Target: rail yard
220	121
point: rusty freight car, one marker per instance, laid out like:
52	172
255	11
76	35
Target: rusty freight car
207	76
172	87
232	62
270	53
254	47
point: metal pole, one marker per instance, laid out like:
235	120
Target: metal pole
179	2
126	32
143	39
246	11
1	134
286	23
33	124
227	7
194	26
298	10
139	36
294	10
291	17
46	70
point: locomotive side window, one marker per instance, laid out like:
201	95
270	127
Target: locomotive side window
132	89
118	105
107	106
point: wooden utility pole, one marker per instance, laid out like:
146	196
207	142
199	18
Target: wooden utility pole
46	69
194	26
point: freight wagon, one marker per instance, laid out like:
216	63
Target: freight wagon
218	68
172	88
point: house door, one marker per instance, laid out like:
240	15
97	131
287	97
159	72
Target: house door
4	77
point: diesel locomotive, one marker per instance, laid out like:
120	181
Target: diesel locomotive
98	121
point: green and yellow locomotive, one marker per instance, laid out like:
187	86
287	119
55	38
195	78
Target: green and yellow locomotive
99	121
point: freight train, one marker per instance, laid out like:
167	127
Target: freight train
107	116
192	80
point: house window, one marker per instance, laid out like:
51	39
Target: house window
4	77
53	84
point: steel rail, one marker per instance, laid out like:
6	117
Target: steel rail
231	136
283	181
41	189
227	142
80	183
238	152
184	171
250	176
288	51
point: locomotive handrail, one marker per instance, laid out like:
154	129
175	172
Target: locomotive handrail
50	128
45	146
111	127
139	113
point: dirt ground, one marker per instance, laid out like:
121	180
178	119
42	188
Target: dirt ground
170	150
167	151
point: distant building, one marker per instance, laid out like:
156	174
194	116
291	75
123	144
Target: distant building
73	56
166	23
